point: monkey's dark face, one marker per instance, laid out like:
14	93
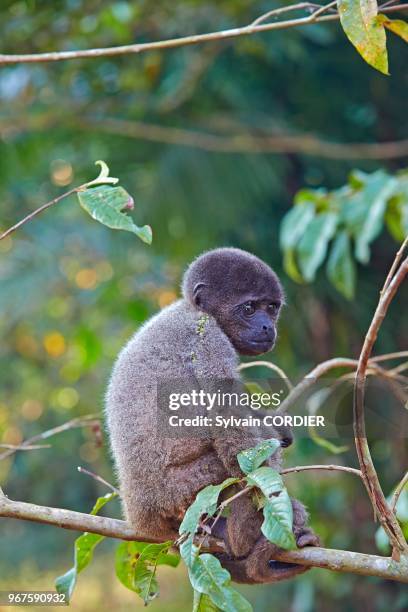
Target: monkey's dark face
241	292
251	324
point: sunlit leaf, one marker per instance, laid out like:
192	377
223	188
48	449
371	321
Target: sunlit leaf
397	26
203	603
341	268
83	553
136	564
252	458
106	204
359	21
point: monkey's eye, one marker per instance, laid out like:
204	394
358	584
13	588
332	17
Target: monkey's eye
273	308
248	308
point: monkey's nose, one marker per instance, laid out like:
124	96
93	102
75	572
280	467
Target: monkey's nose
269	331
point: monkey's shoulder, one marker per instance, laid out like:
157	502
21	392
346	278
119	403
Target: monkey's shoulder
181	334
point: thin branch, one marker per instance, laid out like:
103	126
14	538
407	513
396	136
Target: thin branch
388	356
245	142
24	447
271	366
172	43
398	490
339	468
370	478
89	420
286	9
39	211
82	470
336	560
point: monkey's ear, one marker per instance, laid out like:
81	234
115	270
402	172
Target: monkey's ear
197	293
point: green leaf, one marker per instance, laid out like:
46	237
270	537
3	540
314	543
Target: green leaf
106	204
313	244
278	521
295	223
83	553
396	216
397	26
290	266
203	603
341	268
208	577
267	479
205	503
360	24
136	565
253	458
363	213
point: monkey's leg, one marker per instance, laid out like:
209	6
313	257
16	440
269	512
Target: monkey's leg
304	535
250	555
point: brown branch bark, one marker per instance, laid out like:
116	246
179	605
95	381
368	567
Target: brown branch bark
382	510
335	560
138	48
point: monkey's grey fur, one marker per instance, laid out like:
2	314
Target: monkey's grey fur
231	302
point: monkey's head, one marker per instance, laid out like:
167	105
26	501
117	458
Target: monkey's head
241	292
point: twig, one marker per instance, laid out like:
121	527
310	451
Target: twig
286	9
339	468
24	447
388	356
398	490
271	366
172	43
336	560
370	478
89	420
82	470
39	211
395	264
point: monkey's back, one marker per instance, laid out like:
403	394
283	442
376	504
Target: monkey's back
159	476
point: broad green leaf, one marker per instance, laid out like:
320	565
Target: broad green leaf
396	216
203	603
205	503
267	479
253	458
397	26
278	521
313	244
208	577
291	267
359	21
341	268
363	213
295	223
83	553
136	564
106	204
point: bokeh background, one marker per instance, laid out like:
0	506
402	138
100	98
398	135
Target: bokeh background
72	291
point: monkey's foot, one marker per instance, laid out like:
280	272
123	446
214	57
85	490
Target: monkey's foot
307	537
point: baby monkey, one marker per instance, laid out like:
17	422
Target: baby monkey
230	305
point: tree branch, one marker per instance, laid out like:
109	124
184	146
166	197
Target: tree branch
335	560
382	510
338	468
245	142
172	43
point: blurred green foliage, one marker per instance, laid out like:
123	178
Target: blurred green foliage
72	292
